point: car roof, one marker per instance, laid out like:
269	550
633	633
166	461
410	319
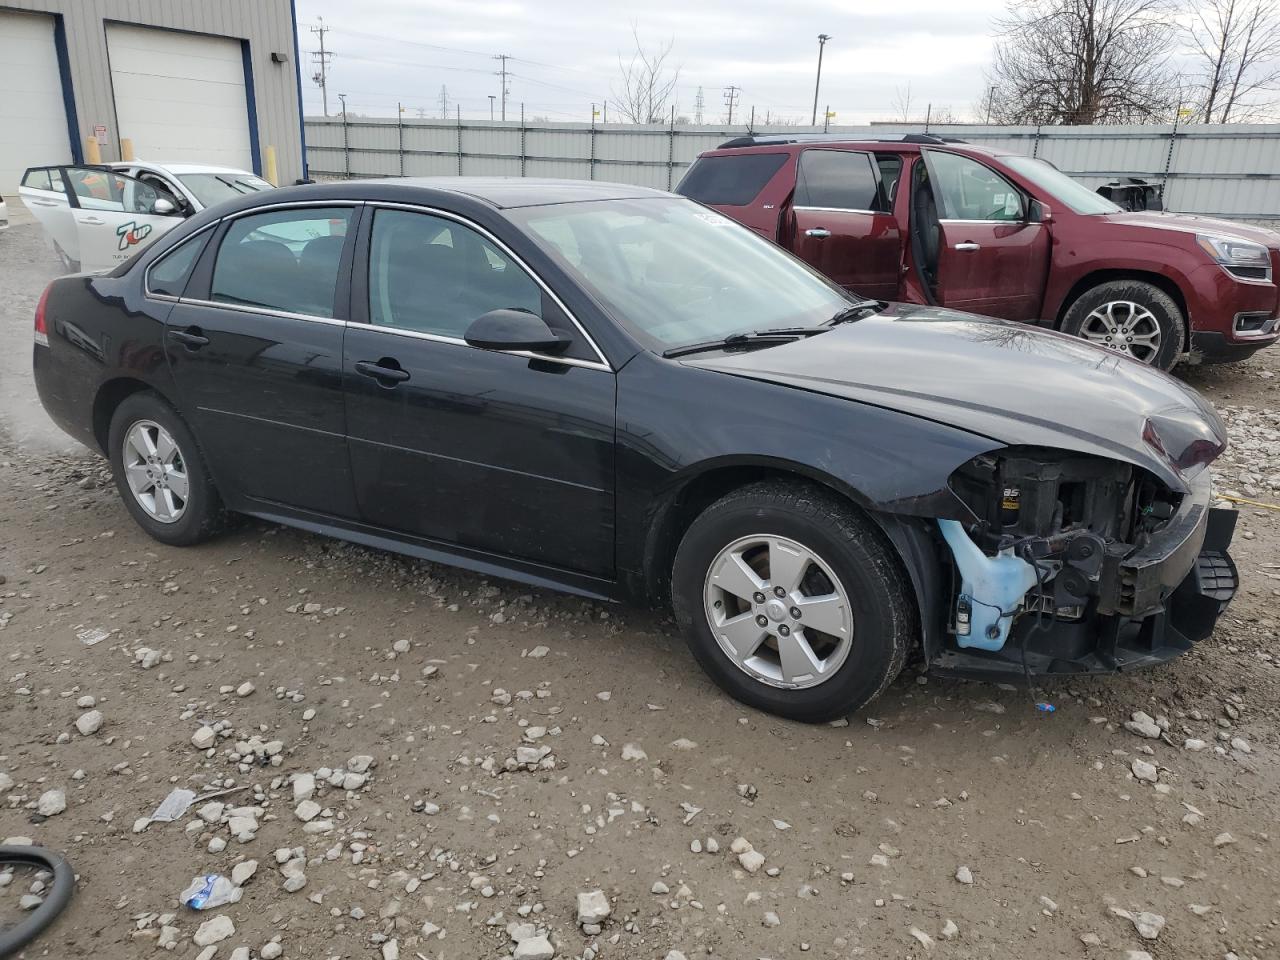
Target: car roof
508	192
179	168
908	143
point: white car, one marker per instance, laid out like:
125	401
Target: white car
99	216
4	215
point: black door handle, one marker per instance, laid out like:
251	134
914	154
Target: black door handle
191	337
381	372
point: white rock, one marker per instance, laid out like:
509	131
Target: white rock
401	646
214	930
964	875
87	702
295	882
538	652
204	738
949	930
391	950
631	751
1194	745
245	689
89	723
240	953
51	803
1143	725
593	906
1241	745
751	860
242	872
1144	770
684	744
359	763
534	948
1223	839
1148	925
304	786
771	919
926	941
674	955
660	888
6	782
270	951
307	810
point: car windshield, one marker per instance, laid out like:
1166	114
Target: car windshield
676	273
1059	186
211	188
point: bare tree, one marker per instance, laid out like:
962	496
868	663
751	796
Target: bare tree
902	103
1237	44
648	83
1084	61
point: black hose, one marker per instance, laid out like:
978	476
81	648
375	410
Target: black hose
64	882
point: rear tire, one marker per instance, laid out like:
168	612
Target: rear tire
1132	318
160	472
833	566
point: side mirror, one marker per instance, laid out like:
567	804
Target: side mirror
1040	213
514	330
163	207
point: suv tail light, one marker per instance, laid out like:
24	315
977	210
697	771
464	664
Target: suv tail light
42	324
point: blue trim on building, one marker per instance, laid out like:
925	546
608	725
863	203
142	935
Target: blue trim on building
297	70
251	101
68	92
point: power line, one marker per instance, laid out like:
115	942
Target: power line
321	58
731	94
503	74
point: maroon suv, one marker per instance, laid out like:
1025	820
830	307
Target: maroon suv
934	221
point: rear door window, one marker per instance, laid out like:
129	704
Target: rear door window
838	180
733	180
285	260
44	178
168	276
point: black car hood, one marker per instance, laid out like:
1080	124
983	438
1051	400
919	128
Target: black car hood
1011	382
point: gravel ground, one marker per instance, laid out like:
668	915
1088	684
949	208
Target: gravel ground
426	764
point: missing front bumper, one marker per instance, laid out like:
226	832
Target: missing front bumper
1110	643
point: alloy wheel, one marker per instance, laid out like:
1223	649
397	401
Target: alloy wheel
1125	327
156	471
778	611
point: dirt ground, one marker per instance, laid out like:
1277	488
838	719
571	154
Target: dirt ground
650	773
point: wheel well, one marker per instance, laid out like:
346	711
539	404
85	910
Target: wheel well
110	395
693	498
1099	277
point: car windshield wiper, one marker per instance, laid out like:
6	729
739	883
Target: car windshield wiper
856	311
762	337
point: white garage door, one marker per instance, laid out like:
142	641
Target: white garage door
180	97
33	119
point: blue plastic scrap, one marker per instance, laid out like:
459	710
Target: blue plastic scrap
990	587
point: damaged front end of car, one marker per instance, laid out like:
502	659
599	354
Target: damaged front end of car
1070	563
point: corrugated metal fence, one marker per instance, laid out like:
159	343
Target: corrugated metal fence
1226	170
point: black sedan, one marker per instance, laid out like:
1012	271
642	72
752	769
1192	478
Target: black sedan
619	393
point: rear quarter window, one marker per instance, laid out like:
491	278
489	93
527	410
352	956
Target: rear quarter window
733	180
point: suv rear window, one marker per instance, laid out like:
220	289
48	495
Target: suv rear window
838	180
733	180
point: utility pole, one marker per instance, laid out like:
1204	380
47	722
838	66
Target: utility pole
504	57
321	58
491	99
697	107
731	93
444	102
822	42
991	96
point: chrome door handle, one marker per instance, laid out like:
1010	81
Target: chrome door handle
42	203
93	221
818	232
968	246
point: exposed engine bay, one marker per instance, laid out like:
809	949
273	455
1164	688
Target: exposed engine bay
1079	562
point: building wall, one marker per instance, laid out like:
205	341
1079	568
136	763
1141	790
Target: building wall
1224	170
267	25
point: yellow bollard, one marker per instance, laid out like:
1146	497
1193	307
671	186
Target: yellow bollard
126	148
272	175
91	152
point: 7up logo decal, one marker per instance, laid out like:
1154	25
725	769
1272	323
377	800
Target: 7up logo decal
132	233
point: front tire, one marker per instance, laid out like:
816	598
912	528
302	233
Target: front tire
160	472
1132	318
793	601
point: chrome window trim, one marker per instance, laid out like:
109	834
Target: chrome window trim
264	311
601	362
146	274
883	213
1005	223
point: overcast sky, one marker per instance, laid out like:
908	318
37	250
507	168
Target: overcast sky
565	54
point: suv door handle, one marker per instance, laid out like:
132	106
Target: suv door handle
95	221
379	371
40	203
968	246
818	232
192	338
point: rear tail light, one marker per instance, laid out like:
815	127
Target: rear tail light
42	324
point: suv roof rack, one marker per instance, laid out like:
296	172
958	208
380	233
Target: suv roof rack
777	139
